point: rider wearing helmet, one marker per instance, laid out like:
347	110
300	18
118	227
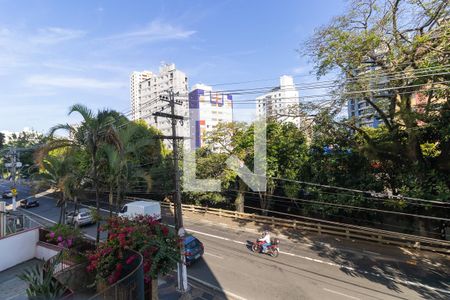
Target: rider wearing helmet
266	239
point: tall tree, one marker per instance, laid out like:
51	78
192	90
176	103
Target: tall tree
392	54
55	172
95	130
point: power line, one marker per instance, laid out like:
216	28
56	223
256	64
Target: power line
300	76
351	207
397	197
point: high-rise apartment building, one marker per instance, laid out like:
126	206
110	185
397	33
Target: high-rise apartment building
135	93
206	109
146	100
281	103
364	114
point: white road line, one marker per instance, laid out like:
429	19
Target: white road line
216	236
39	216
207	253
216	288
51	221
344	295
406	282
371	252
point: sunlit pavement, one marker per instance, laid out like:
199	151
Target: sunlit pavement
302	271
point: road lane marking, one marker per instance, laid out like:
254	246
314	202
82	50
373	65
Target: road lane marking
215	236
39	216
406	282
371	252
344	295
207	253
216	288
54	222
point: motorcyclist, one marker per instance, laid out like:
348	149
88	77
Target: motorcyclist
265	237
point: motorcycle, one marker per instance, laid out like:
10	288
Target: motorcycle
272	250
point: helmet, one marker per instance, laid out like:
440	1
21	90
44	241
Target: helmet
266	232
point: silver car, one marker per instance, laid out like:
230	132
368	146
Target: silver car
79	218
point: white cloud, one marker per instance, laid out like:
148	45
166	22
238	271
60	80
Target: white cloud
55	35
298	70
73	82
155	31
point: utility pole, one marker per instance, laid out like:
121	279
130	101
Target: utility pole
182	271
13	174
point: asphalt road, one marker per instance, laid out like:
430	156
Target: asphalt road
302	271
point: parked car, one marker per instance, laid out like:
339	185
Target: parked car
148	208
32	202
7	194
79	218
193	249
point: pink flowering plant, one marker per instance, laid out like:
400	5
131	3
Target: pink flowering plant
158	245
63	235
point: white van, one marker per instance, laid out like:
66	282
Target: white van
149	208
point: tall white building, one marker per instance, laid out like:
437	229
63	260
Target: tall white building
146	100
206	110
135	93
281	103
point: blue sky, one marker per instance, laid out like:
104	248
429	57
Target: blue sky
57	53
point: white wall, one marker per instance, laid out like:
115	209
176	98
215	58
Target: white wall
45	252
18	248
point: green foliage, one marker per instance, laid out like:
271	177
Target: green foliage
106	152
41	282
63	232
374	38
156	242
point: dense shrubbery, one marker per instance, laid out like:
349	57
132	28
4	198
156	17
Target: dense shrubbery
157	243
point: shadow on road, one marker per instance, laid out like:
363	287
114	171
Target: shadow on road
200	274
386	265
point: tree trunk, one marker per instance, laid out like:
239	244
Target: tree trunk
97	201
239	202
64	211
75	200
111	201
97	196
61	208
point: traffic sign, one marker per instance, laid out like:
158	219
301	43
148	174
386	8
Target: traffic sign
14	191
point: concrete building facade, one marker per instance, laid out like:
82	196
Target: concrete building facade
135	93
207	109
146	98
281	103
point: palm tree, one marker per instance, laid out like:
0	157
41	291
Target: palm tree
54	173
121	167
95	130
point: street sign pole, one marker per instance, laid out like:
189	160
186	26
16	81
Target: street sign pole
13	173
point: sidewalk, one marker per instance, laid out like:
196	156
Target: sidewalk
167	290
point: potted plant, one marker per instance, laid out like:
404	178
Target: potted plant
42	284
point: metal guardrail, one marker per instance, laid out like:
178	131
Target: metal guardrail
329	227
